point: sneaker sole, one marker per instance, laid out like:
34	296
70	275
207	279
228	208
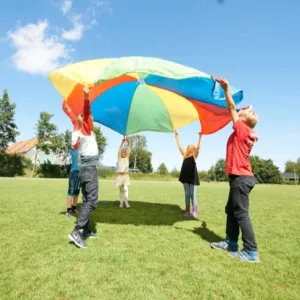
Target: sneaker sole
214	247
245	260
75	242
89	237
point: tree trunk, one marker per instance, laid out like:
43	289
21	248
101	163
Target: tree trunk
34	164
135	161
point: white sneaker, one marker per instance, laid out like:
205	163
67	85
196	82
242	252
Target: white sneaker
127	204
121	204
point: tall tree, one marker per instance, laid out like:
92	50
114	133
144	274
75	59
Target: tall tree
162	169
138	149
293	166
101	139
46	133
220	170
175	173
203	175
211	174
63	144
8	128
265	171
144	163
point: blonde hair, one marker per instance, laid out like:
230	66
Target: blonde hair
189	147
250	118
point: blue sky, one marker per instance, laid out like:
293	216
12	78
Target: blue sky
254	43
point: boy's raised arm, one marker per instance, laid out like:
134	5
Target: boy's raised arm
87	123
230	103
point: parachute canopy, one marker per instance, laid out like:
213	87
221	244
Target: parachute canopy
134	94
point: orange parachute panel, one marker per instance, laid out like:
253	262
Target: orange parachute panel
75	99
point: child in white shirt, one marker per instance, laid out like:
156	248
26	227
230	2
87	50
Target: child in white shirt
122	180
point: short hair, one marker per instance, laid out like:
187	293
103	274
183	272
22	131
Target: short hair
251	118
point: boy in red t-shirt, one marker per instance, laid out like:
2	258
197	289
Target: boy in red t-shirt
241	181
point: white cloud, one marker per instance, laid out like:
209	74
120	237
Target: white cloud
76	33
37	52
65	6
96	5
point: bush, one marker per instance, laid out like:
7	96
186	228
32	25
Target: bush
290	182
204	176
28	163
106	173
175	173
11	165
151	177
53	171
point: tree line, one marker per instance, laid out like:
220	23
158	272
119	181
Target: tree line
50	140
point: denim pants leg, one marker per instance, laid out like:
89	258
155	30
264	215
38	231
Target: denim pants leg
237	210
89	183
187	193
193	193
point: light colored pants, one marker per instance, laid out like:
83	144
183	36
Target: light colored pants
190	191
124	193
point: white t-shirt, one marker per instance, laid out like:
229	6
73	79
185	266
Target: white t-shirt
86	144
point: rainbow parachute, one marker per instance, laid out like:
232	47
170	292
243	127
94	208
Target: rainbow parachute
134	94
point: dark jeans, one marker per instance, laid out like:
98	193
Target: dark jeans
237	210
89	184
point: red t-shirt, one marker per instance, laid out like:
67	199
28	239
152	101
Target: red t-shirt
239	146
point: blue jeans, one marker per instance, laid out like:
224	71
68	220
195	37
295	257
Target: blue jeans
190	191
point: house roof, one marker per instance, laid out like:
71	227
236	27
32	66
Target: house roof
22	147
287	175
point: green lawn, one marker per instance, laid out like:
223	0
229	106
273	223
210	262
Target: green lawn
147	252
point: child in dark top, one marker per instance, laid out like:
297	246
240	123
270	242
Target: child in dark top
241	181
189	175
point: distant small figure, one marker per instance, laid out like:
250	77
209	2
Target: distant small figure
123	180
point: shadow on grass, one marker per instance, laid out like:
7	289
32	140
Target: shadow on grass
204	233
140	213
207	234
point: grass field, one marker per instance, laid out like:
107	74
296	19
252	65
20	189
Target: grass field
147	252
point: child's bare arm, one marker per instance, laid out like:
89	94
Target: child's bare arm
199	144
230	103
179	144
70	114
128	146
